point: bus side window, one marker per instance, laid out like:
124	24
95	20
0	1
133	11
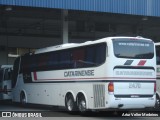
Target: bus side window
100	54
42	61
65	60
53	61
34	63
78	56
25	61
15	72
90	56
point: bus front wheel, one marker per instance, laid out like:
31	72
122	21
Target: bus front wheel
22	99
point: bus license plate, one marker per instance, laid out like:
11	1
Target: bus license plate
134	85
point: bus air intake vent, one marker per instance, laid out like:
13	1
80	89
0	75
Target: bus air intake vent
99	95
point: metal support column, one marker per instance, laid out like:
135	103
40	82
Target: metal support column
64	26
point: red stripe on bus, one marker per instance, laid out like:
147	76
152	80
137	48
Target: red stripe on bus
141	62
35	75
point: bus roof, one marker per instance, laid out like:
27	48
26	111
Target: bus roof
72	45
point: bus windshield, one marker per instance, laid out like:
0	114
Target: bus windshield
135	49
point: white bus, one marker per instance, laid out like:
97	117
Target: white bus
5	82
158	75
110	73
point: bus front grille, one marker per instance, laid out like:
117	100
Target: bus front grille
99	95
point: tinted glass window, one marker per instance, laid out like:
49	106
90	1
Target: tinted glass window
26	63
65	59
53	60
43	61
158	54
80	57
33	63
137	49
100	54
1	75
15	71
90	57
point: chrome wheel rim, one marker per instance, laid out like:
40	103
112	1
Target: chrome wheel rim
23	100
157	103
82	106
70	105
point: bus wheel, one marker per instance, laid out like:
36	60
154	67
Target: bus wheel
22	99
157	105
69	103
82	104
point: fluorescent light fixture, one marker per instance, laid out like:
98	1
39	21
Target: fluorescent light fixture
145	18
12	55
8	8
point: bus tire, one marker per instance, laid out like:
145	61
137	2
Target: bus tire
82	104
23	100
157	105
69	103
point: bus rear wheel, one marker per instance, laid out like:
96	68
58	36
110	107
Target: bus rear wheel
82	104
157	105
69	103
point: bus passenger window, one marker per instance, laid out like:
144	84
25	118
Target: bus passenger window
42	61
78	58
33	65
65	60
25	64
90	56
53	61
100	54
